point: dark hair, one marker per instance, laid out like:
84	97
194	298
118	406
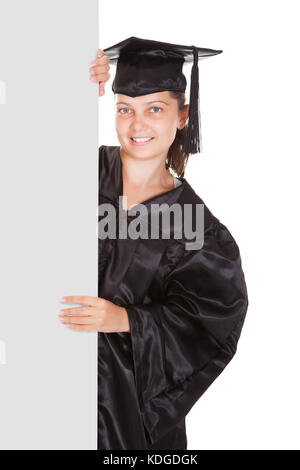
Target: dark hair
176	159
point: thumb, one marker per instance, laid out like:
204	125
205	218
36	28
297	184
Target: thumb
101	88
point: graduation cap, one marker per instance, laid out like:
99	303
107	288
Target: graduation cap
145	66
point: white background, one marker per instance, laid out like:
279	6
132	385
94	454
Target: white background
248	176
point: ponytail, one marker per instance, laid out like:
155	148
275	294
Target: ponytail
176	159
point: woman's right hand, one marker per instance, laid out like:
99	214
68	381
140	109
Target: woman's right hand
99	70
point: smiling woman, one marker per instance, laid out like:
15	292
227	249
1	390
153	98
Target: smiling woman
168	317
151	128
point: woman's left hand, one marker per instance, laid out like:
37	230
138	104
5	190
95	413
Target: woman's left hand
99	315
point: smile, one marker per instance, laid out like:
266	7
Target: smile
141	140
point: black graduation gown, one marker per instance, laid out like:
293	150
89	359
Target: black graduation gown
186	310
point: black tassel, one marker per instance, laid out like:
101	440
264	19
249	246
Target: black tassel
192	143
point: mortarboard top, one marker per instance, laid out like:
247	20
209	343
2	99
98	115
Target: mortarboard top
145	66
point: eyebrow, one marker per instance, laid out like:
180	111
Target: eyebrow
150	102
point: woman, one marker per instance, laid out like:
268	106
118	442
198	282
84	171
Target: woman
169	311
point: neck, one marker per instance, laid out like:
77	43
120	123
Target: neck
145	172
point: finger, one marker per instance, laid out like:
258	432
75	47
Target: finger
87	311
100	77
82	327
99	69
104	60
104	77
77	320
101	89
83	299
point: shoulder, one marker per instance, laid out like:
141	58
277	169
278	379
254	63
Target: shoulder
214	234
109	172
188	197
108	153
109	161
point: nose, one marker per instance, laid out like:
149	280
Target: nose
139	125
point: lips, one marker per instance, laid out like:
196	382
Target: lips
146	137
141	143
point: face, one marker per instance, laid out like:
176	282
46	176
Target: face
153	116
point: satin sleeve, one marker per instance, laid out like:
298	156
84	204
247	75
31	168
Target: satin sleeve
181	345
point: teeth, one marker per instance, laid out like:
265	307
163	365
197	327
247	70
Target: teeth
141	139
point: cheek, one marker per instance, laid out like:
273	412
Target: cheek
163	127
167	131
120	125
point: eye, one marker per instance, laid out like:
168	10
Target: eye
122	109
156	107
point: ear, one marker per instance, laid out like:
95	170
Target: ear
184	114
